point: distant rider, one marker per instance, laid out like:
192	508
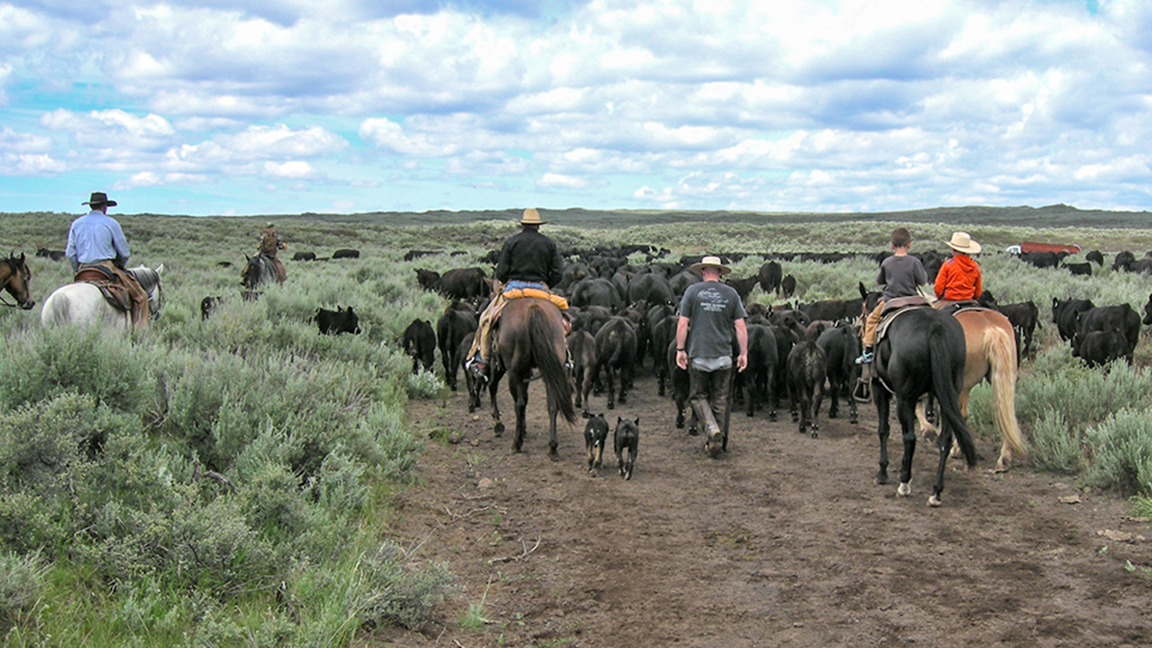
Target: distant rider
97	240
270	244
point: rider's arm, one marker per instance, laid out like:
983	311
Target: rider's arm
120	244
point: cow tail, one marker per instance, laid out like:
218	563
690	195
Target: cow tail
555	375
944	387
1001	353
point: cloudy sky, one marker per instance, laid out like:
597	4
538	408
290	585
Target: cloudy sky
209	107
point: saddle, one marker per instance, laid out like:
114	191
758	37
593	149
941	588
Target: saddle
893	308
960	306
115	293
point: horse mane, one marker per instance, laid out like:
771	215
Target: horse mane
146	277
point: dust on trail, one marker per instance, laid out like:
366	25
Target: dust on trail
783	541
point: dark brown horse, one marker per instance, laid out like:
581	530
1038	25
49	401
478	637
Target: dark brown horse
14	279
530	335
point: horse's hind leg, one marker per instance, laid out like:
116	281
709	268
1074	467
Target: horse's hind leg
497	424
883	403
520	403
906	412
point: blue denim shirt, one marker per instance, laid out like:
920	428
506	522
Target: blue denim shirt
96	237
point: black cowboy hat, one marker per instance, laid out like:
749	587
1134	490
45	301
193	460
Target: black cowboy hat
99	198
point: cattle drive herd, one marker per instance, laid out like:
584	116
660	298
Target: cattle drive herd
623	321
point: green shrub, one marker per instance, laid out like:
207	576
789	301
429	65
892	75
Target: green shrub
1122	453
21	579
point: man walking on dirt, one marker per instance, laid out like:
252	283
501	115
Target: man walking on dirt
710	312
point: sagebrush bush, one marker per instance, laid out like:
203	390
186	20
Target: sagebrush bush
21	579
1122	452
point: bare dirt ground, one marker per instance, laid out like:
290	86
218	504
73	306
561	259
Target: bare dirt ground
783	541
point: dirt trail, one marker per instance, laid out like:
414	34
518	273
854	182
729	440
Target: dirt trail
784	541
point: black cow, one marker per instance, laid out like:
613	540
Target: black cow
1064	315
346	254
1041	259
1142	266
55	255
596	292
787	286
1101	347
806	372
1148	311
1080	269
1120	318
841	347
743	287
627	441
207	305
770	276
582	347
419	341
1095	256
1123	261
337	321
833	310
427	278
1025	317
451	328
652	288
412	255
760	373
474	384
463	283
304	256
616	356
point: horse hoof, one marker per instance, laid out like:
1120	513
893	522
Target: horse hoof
498	429
904	489
815	434
934	501
881	479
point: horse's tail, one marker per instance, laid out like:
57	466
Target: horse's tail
944	387
999	347
552	369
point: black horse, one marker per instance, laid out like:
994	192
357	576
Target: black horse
922	353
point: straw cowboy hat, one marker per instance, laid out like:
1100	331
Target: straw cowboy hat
710	262
531	217
99	198
961	242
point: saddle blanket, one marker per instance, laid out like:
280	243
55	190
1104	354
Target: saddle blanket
528	290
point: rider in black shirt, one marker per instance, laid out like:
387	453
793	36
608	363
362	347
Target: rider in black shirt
528	257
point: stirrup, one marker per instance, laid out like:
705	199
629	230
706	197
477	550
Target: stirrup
862	392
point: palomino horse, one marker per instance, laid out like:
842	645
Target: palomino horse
922	353
991	353
531	335
14	278
83	303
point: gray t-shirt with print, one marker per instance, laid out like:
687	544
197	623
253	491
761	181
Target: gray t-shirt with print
711	308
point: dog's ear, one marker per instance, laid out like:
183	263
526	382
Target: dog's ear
637	420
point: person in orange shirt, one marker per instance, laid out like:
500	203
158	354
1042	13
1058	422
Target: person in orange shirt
959	277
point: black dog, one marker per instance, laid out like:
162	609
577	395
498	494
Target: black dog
595	436
627	438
